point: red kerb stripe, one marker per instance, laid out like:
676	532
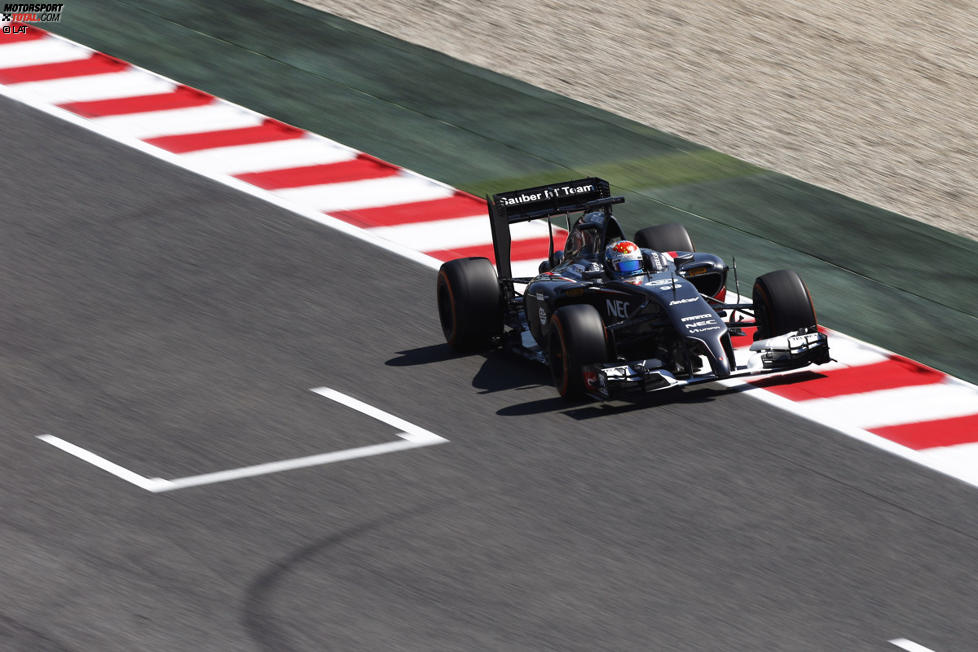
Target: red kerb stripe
930	434
458	205
520	250
96	64
269	130
179	98
889	374
362	167
32	34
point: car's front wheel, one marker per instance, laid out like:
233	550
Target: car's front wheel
577	339
469	303
782	303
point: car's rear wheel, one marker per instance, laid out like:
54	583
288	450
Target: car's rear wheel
664	237
782	303
469	303
577	339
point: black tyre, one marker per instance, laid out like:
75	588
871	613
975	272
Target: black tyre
577	338
469	303
664	237
782	304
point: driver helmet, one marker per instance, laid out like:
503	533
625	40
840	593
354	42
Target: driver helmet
623	259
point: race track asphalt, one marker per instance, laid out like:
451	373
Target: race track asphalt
175	327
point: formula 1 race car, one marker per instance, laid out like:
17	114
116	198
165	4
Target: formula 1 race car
609	315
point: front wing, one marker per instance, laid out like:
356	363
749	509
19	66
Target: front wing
785	352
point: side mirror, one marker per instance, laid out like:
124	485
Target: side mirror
556	257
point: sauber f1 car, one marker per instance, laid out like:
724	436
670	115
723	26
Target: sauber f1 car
656	321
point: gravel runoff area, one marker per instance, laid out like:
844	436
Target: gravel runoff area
875	100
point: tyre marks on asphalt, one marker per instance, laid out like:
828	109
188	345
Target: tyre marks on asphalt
874	395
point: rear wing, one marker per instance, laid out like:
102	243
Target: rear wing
507	208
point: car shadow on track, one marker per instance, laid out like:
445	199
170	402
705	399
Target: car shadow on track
595	409
424	355
501	372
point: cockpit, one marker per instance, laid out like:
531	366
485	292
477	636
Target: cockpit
589	236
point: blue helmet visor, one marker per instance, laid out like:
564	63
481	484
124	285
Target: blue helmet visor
629	266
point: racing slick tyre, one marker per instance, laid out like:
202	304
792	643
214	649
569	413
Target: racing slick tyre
664	237
469	303
782	304
577	338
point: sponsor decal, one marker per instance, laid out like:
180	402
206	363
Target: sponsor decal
617	307
656	261
542	314
29	12
797	341
554	192
678	301
700	323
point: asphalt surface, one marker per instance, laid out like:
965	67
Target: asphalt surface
175	327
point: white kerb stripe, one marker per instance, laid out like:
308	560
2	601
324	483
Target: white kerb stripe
852	353
895	406
960	461
189	120
276	155
106	86
351	195
41	51
523	268
459	232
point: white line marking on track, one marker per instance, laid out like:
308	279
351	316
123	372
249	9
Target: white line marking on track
149	484
411	431
289	465
910	646
412	437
